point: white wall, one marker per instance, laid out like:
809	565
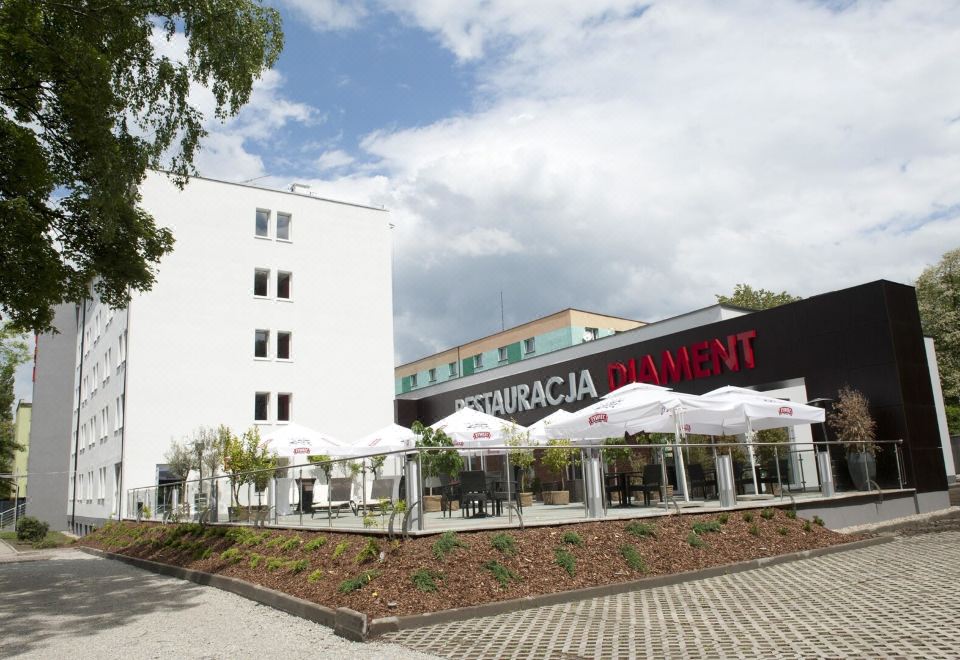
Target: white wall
945	445
190	356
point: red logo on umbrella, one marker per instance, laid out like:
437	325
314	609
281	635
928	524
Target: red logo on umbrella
301	450
786	410
596	419
481	434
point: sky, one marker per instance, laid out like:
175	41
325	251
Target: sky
634	159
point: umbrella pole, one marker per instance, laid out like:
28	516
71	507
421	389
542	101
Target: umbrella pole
753	458
678	455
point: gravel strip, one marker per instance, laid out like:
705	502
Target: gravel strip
76	605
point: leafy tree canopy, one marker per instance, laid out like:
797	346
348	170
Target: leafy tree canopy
938	296
746	296
13	353
87	104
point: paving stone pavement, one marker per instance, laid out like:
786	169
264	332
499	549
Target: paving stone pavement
895	600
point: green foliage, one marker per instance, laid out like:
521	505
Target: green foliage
340	549
565	559
369	520
953	414
31	529
768	450
369	552
231	555
938	293
247	460
695	541
90	99
200	552
274	563
817	520
747	516
522	457
324	462
291	543
806	526
633	558
851	421
558	456
438	459
275	541
298	566
782	531
255	559
708	526
791	514
723	518
504	543
754	529
425	580
641	530
376	463
446	544
13	353
316	576
357	582
572	538
767	514
315	544
501	573
746	296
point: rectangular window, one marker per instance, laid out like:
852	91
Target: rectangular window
283	407
432	374
283	284
261	406
478	361
413	380
283	345
590	334
261	281
118	415
529	345
502	354
261	343
263	223
283	226
452	369
122	349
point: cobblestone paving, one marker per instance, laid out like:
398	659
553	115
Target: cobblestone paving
899	599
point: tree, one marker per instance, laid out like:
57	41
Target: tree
938	297
13	353
180	461
87	104
851	421
441	458
247	460
744	295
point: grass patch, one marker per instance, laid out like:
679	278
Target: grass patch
695	541
767	514
565	559
633	558
275	541
806	526
355	583
504	543
425	580
315	544
274	563
255	560
340	549
316	576
501	573
641	530
292	543
723	518
298	566
791	514
708	526
817	520
572	538
231	555
783	531
447	543
747	517
754	529
369	552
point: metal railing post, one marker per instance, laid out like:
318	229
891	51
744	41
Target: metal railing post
300	496
896	455
776	462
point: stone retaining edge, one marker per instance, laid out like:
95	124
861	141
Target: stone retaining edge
395	624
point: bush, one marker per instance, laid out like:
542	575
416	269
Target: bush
232	555
31	529
316	543
782	531
502	574
791	514
356	582
504	543
573	538
298	566
709	526
817	520
564	559
446	544
340	549
316	576
274	563
767	514
291	544
369	552
754	529
723	518
747	517
806	526
425	579
633	558
695	541
640	529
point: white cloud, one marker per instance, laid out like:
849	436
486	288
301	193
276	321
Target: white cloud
329	14
333	159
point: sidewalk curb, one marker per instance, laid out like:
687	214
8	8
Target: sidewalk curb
396	624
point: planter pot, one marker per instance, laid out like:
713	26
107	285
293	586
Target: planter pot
431	503
526	499
244	514
556	497
862	466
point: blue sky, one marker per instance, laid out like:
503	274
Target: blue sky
632	158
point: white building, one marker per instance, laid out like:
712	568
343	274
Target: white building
273	307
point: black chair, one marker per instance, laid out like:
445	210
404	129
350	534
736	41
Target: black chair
697	479
613	484
449	493
473	491
504	491
768	474
741	477
652	483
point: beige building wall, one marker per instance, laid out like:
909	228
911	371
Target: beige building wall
21	427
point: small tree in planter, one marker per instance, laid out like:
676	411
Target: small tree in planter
557	458
855	427
323	463
521	458
440	458
246	461
376	464
180	461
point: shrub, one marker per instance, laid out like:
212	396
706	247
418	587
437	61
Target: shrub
755	529
446	544
255	560
791	514
357	582
369	552
709	526
504	543
298	566
275	541
274	563
502	574
633	557
723	518
45	544
817	520
640	529
316	543
767	514
232	555
425	579
201	552
695	541
783	531
340	549
31	529
369	520
747	517
806	526
573	538
315	576
565	559
291	544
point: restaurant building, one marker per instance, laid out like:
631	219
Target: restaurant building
867	337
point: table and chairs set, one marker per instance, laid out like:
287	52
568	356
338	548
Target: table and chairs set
475	491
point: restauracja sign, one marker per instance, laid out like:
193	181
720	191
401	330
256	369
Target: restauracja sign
518	398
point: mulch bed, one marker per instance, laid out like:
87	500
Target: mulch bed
463	576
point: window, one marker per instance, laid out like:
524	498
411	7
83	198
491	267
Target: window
529	345
432	375
413	380
502	354
118	415
589	334
452	369
90	486
283	226
478	361
263	223
122	349
108	362
283	345
104	425
283	285
261	343
101	484
283	407
261	281
261	406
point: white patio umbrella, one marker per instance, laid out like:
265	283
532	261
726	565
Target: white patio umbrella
295	441
390	438
538	430
472	429
632	387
